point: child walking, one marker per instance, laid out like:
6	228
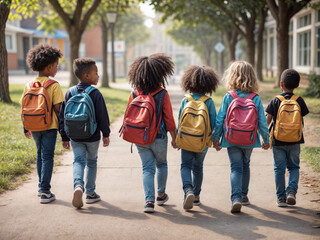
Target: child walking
199	81
43	59
240	79
85	149
286	144
148	75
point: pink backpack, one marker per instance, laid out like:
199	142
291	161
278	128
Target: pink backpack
241	122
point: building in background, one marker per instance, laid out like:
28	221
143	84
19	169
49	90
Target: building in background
304	43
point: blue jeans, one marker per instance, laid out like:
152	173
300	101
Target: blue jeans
286	157
85	154
45	143
154	156
192	162
240	171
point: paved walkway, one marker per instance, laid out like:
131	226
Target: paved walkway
120	213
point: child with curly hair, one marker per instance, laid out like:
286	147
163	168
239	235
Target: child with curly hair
148	74
199	81
44	59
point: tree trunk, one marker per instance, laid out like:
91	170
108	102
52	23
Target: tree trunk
75	39
250	50
105	77
232	40
263	15
208	57
282	46
4	79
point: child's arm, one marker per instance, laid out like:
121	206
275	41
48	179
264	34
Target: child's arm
66	144
106	141
56	109
269	118
173	138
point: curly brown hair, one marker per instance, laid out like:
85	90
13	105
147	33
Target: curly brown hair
150	73
41	56
241	76
200	80
82	66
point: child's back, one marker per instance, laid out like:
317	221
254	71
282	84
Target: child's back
196	119
43	59
240	78
286	141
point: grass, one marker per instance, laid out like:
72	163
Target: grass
311	155
17	153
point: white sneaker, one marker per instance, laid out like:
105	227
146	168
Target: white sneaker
77	196
236	206
188	200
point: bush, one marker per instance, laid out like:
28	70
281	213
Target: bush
314	86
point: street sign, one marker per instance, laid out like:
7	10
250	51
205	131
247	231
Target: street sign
219	47
119	46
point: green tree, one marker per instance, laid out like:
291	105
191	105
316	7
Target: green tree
282	11
201	37
130	28
4	80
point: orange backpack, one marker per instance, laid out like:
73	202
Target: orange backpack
36	114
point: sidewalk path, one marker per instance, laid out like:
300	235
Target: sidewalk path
120	213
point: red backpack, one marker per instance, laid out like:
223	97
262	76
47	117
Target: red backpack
142	118
241	122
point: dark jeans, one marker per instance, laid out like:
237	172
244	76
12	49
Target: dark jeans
45	143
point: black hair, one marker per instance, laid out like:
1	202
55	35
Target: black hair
150	73
201	80
41	56
290	79
82	66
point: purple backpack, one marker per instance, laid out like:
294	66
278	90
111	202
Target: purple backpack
241	122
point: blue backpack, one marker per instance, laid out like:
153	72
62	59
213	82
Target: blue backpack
79	114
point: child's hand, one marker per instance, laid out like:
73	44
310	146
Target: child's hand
173	144
106	141
28	134
66	145
216	145
265	146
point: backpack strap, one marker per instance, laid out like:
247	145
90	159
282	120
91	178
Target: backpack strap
252	95
281	98
233	94
89	89
203	98
159	98
294	97
74	90
189	97
49	82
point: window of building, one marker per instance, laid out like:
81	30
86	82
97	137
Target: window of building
318	15
9	42
290	50
318	46
304	21
304	48
291	26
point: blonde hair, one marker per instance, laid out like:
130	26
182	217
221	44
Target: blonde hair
241	76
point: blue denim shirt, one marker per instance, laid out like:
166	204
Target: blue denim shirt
262	122
211	109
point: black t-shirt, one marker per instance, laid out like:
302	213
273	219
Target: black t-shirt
273	108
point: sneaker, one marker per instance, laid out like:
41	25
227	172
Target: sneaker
149	207
47	197
188	200
245	200
236	206
39	193
161	200
291	198
196	201
92	198
282	202
77	196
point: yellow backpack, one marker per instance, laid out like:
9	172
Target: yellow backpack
288	126
194	132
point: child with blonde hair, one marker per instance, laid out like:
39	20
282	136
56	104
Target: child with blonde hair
240	103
